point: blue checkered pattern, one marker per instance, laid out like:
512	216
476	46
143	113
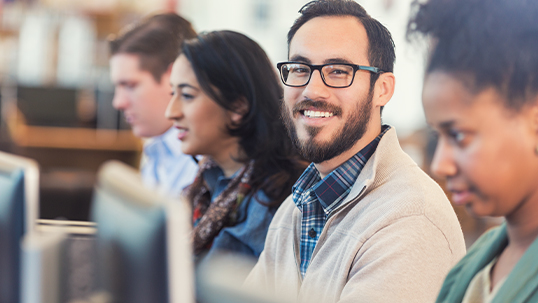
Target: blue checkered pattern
317	198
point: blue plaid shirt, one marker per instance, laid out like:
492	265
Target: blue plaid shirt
317	198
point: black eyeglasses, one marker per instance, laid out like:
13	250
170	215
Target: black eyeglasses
337	75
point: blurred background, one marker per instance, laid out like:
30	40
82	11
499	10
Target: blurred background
56	94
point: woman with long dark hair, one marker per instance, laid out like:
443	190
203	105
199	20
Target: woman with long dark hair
226	104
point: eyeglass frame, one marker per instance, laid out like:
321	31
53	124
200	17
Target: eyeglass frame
318	67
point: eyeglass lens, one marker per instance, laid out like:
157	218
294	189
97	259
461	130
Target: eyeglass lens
336	75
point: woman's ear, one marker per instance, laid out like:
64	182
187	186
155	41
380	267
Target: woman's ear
240	109
534	121
533	112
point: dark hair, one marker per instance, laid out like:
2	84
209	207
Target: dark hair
491	43
232	69
156	40
380	44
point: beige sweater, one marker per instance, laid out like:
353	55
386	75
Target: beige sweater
393	239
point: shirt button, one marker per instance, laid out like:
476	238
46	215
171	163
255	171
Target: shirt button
312	233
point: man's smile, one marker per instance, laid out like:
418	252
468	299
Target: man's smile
317	114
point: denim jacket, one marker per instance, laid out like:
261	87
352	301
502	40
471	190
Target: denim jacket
247	237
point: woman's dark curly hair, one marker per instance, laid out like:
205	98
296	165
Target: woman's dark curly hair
229	67
489	43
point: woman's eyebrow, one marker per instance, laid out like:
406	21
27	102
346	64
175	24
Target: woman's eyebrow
183	85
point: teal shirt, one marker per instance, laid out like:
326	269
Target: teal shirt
521	285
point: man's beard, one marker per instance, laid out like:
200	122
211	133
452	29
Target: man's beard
353	130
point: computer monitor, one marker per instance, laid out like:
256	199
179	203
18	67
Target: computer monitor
144	253
42	266
19	189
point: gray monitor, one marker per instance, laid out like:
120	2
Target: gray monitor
144	252
19	187
43	263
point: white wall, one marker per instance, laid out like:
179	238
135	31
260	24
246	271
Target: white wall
404	111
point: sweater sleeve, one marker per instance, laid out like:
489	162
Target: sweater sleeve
406	261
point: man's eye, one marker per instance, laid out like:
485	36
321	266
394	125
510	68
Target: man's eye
298	70
339	72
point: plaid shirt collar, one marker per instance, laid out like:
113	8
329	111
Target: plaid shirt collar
335	187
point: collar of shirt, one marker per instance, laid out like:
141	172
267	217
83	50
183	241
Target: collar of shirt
163	145
216	181
334	188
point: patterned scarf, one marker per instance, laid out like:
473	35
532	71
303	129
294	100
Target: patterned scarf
210	217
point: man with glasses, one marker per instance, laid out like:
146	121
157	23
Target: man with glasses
363	223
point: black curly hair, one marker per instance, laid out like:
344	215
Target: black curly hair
491	43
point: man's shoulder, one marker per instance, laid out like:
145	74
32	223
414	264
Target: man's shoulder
390	167
409	192
401	191
402	182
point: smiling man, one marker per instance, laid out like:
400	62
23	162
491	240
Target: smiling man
140	66
363	223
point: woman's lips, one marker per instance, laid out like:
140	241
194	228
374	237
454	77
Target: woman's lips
461	197
182	133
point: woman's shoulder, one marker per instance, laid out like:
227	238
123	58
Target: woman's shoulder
255	207
483	251
487	246
495	236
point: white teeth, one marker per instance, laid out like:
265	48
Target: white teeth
182	130
317	114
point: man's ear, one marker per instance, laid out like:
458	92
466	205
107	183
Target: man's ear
241	108
166	75
384	89
169	69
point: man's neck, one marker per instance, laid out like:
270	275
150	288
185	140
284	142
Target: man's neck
326	167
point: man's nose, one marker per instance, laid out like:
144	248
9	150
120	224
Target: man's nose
120	101
316	88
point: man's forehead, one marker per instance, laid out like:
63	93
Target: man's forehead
327	38
127	66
